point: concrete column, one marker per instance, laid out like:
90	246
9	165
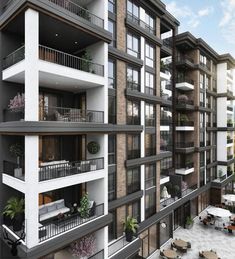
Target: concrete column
31	194
31	65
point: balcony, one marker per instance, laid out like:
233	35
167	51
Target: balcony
49	171
150	122
150	90
133	154
206	66
164	176
185	168
185	84
68	222
185	147
52	65
184	104
13	169
133	86
62	114
229	93
229	140
165	121
185	125
184	59
229	157
120	247
133	120
167	42
151	151
230	108
142	24
188	190
230	124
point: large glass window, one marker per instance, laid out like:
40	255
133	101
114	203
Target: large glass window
133	44
150	115
149	84
133	78
165	232
165	141
112	109
150	176
112	30
133	112
112	73
112	149
112	185
112	226
133	210
150	22
150	204
132	8
133	180
149	55
150	144
133	146
112	6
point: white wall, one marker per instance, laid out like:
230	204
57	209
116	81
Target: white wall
222	78
222	144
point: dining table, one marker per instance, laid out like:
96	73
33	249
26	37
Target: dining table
209	255
180	243
170	254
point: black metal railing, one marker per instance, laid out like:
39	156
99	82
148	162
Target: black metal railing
13	169
165	147
69	221
133	86
229	141
206	66
150	122
150	151
51	113
79	11
186	123
184	58
188	190
186	165
150	90
141	23
229	108
167	42
165	121
15	114
184	144
132	154
133	120
118	244
14	57
229	124
166	202
53	171
64	59
184	102
184	80
98	255
229	157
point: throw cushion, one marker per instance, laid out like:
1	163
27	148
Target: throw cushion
43	210
60	204
51	207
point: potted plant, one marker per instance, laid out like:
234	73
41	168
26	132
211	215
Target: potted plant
175	191
229	123
17	103
16	150
130	228
93	147
84	247
86	61
15	210
189	222
183	119
183	98
84	206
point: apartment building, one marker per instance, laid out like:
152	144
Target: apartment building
107	112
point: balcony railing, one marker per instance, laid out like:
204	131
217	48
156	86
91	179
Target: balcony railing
51	113
57	57
13	114
150	90
98	255
184	144
150	122
184	80
165	122
118	244
132	154
229	157
166	202
188	190
14	57
184	102
229	124
141	23
151	151
67	60
229	108
13	169
185	123
79	11
184	58
229	141
133	120
186	165
133	86
69	221
59	170
167	42
206	66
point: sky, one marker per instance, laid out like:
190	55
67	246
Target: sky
211	20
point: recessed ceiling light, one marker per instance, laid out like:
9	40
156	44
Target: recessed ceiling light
76	42
56	34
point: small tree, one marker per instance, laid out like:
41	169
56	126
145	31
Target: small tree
84	206
183	98
17	103
16	150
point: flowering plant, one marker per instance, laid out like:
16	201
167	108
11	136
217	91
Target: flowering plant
83	247
17	103
184	185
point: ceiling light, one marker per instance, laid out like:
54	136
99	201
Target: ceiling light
76	42
56	34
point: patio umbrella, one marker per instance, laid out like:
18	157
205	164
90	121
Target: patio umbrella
218	212
164	193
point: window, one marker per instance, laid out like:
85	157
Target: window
133	146
132	9
133	210
149	84
112	226
133	112
133	78
149	55
166	165
165	141
150	176
112	185
202	99
150	115
112	109
112	149
201	81
133	180
202	139
112	73
202	119
112	6
150	204
150	23
150	144
112	29
133	45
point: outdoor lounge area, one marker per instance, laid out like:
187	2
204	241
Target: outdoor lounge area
205	241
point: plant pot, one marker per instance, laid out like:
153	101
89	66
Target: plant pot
129	236
7	220
188	226
18	222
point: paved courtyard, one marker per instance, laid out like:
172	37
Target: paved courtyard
204	238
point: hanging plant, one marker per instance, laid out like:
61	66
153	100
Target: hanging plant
93	147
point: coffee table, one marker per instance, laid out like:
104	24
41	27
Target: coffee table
170	254
180	243
209	255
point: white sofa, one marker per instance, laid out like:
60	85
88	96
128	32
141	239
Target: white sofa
52	209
